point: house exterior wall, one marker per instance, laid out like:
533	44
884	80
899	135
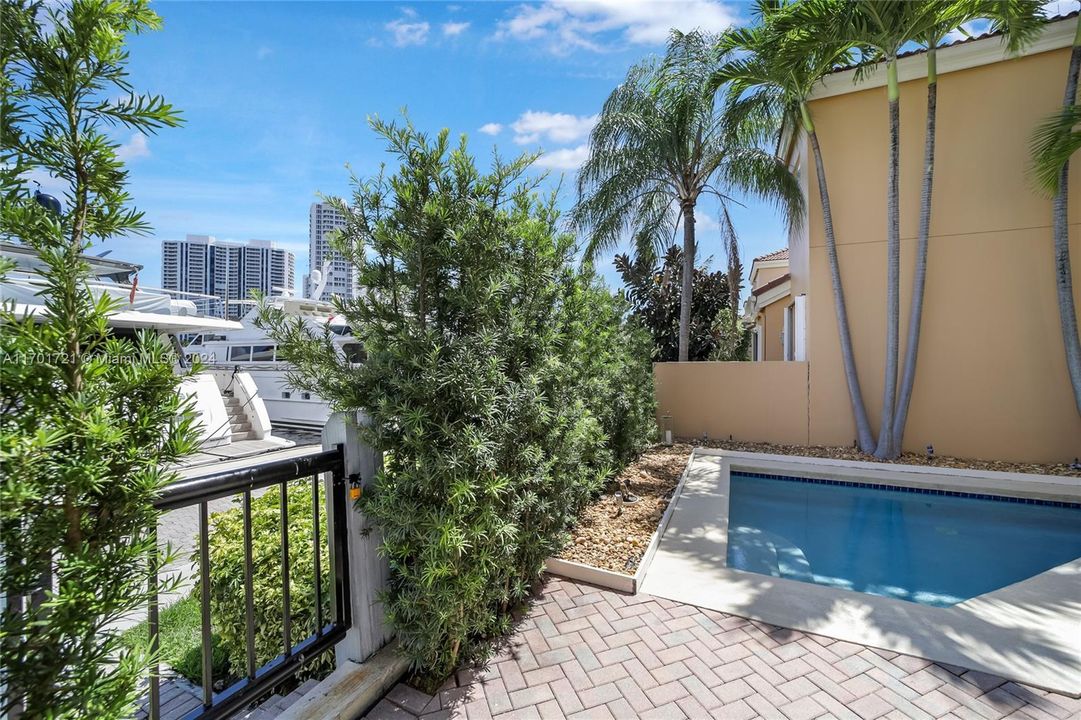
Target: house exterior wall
771	319
766	274
991	380
723	399
798	239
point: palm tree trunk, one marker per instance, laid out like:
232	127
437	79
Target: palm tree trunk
1061	232
688	282
885	449
859	411
919	278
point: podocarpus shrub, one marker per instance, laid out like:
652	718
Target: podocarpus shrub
613	370
89	420
227	606
494	369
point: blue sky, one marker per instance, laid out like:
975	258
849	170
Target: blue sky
275	96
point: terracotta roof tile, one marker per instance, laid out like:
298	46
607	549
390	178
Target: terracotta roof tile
781	254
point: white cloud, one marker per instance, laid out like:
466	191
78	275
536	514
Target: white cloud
1059	7
569	24
137	147
532	21
531	126
491	128
264	52
408	33
967	30
564	159
452	29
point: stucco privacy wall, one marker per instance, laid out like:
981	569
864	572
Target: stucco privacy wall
755	401
992	379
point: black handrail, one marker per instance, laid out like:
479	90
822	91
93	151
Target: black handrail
199	491
211	487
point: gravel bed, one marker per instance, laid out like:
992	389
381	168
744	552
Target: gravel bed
613	535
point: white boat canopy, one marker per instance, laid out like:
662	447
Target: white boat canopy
136	319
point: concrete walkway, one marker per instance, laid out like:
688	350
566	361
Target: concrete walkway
585	652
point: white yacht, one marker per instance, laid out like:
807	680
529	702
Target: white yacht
227	401
249	349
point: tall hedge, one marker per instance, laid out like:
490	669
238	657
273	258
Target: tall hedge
501	382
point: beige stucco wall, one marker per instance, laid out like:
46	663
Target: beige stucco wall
766	274
753	401
991	380
771	325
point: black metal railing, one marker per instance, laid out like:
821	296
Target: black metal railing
258	681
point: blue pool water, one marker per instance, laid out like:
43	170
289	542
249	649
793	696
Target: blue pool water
932	549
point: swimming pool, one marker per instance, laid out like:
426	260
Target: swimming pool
926	546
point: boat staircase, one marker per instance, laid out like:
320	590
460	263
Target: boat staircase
239	424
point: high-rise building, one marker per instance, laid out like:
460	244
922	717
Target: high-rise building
340	275
228	271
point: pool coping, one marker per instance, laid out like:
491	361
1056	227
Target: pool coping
1029	631
1046	487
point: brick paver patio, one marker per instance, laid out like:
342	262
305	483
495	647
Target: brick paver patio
584	652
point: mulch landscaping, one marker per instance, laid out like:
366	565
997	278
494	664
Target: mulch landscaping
613	535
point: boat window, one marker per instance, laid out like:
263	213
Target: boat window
240	352
306	396
286	394
262	353
354	352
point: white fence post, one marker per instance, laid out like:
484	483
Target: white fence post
366	572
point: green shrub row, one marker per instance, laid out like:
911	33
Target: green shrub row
227	609
502	384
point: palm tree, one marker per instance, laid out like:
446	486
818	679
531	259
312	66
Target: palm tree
659	146
770	70
1052	145
881	28
791	49
1020	19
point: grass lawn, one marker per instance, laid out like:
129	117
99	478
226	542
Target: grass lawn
180	638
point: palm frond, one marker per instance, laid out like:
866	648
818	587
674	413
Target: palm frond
1055	140
763	175
664	134
1022	21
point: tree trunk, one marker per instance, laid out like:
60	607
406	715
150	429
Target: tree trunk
1061	232
859	411
885	449
915	313
688	282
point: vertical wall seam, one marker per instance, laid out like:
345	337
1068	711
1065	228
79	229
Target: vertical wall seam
808	368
